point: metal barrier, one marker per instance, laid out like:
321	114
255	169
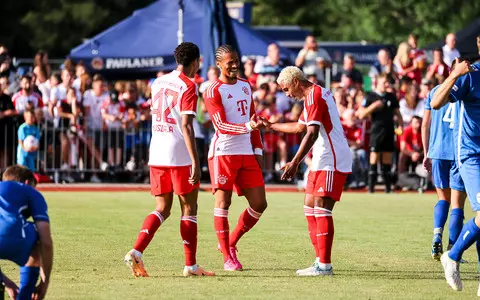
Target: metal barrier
74	150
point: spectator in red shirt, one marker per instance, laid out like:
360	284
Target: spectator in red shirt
273	142
411	147
438	69
417	54
293	139
355	139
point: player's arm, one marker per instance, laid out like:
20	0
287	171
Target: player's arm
213	101
366	112
38	208
312	119
399	117
444	92
46	253
10	287
290	169
289	127
188	111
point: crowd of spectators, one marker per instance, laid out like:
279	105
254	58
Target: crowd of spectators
90	124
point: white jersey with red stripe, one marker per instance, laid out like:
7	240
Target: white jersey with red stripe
330	151
21	100
230	107
174	95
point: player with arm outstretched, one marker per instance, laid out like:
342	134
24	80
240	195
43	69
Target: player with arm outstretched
174	165
463	86
235	154
331	162
28	244
437	133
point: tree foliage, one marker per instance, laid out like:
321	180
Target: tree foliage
59	25
384	21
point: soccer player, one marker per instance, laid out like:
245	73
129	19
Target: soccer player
463	85
174	165
382	106
331	162
235	153
27	244
437	133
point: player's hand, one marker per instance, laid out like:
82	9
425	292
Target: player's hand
415	156
255	122
40	291
265	122
11	288
461	68
196	174
259	159
289	170
427	164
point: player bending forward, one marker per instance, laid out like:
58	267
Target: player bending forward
235	153
174	165
27	244
331	163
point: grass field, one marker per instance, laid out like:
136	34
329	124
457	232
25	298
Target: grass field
381	251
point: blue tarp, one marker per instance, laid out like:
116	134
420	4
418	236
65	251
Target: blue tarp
145	41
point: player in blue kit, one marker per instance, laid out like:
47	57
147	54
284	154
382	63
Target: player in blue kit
437	135
463	86
28	244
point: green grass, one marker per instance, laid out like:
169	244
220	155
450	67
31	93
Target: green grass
381	251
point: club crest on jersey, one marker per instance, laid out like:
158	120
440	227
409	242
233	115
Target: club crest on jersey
246	91
229	96
222	179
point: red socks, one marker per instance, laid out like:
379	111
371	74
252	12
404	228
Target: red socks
312	226
246	221
220	220
188	231
150	225
325	232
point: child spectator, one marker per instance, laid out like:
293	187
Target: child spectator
112	113
27	157
131	124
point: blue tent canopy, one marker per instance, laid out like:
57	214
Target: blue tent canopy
145	41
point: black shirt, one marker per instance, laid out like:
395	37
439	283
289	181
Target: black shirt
354	74
382	118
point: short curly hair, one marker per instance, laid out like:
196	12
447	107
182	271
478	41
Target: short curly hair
186	53
289	73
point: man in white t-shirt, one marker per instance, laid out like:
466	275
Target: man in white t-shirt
93	101
312	59
449	50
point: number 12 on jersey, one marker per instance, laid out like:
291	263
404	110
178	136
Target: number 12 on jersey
159	100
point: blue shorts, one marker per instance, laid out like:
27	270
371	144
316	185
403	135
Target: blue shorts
470	172
18	248
27	161
445	174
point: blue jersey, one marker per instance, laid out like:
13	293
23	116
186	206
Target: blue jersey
23	131
441	130
18	202
466	91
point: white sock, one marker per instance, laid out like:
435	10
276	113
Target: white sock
324	266
137	253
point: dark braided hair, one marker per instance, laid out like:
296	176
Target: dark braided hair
186	53
223	50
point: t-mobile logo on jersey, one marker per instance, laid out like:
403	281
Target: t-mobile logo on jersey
242	106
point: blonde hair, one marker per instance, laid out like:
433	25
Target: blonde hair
403	54
289	73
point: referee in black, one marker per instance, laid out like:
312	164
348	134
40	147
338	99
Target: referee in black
382	107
